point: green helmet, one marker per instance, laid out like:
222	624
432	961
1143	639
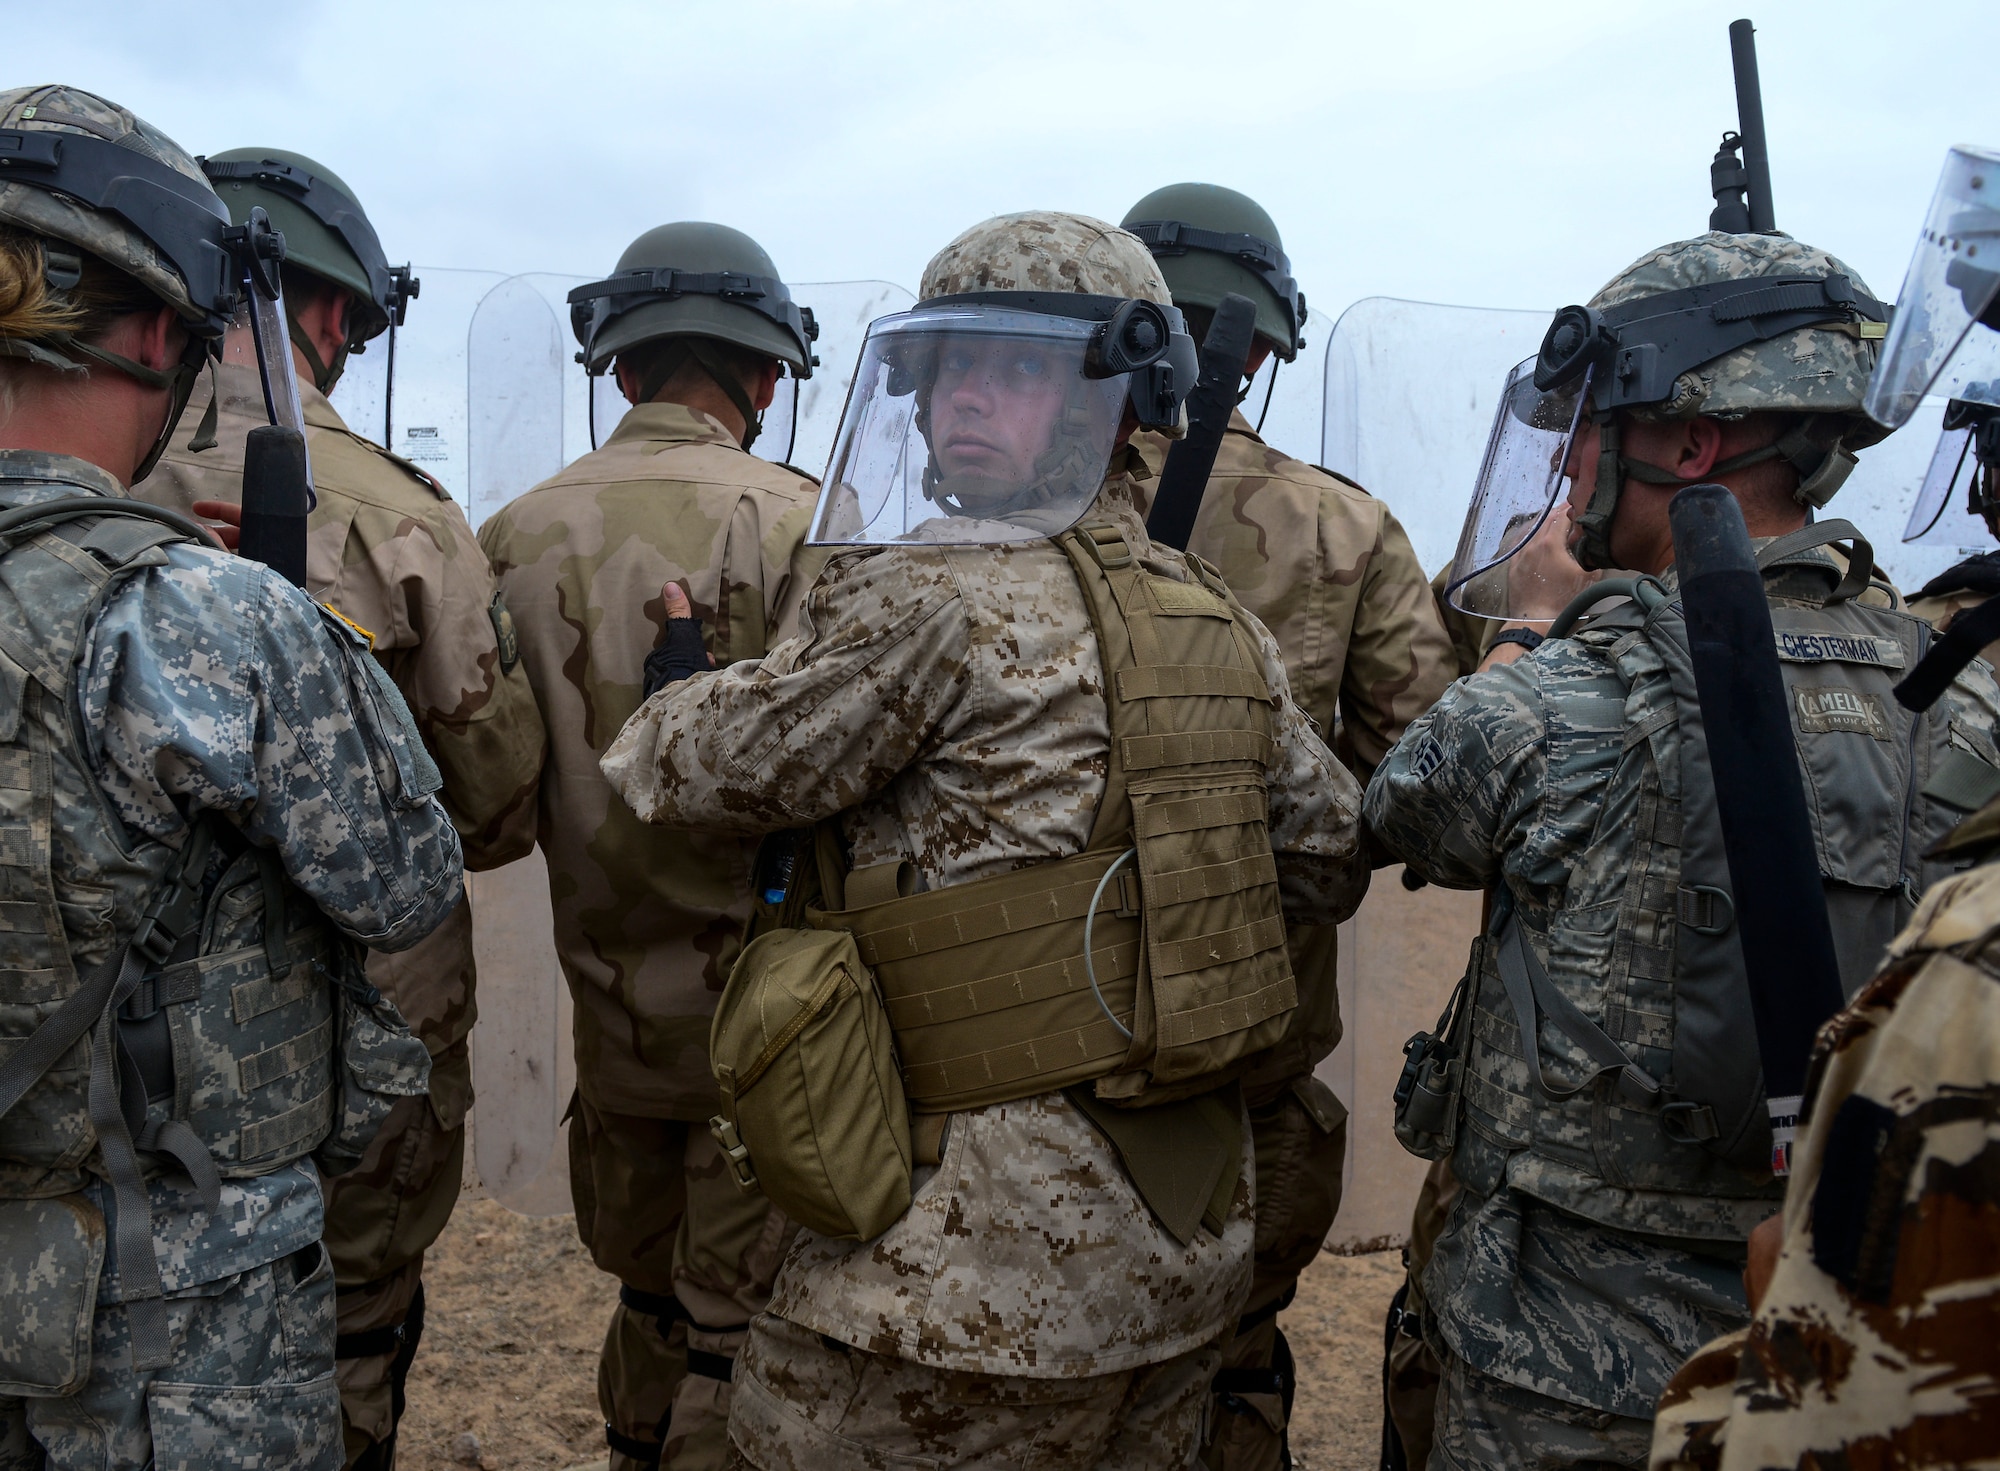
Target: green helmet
693	280
326	233
1211	241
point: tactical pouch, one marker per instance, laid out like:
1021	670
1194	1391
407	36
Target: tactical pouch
813	1112
380	1061
51	1252
1426	1101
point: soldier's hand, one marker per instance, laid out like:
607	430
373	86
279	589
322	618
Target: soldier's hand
1543	578
1765	1243
228	513
679	652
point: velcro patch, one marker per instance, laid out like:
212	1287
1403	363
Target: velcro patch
1185	598
1823	710
1839	648
1427	757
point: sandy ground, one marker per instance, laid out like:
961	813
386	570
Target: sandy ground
516	1313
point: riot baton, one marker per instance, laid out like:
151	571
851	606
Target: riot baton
276	501
1781	919
1184	479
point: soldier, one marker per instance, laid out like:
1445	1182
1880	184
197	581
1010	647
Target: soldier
390	549
1058	1292
213	791
1598	1234
697	327
1874	1291
1328	570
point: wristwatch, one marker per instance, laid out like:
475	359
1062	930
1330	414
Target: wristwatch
1527	638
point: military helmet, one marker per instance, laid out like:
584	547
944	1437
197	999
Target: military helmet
81	170
326	231
1727	324
1211	241
693	280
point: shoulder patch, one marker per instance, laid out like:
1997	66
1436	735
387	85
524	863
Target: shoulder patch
346	626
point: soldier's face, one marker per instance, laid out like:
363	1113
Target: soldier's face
995	407
1581	469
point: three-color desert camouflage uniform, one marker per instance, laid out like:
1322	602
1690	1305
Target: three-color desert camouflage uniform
649	921
1874	1344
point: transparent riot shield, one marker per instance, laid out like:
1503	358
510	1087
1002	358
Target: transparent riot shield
515	357
843	309
523	1067
426	423
1411	387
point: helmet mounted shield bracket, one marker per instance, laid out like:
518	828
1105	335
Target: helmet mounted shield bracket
992	417
596	305
222	267
1272	265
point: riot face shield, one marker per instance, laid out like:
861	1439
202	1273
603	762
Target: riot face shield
514	378
1520	482
1968	455
992	418
1952	283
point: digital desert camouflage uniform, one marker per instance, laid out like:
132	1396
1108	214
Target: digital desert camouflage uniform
949	704
1028	1274
1554	1320
207	684
1875	1341
648	921
1330	572
389	549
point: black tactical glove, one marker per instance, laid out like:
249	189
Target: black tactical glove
677	655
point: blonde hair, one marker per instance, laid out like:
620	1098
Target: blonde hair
34	312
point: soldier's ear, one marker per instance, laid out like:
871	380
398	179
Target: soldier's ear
1699	448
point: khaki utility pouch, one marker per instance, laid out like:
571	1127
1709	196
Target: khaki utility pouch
803	1054
51	1254
379	1062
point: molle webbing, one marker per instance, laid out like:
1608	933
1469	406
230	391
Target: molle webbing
985	982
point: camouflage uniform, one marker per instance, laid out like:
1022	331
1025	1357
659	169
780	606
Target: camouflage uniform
1874	1344
209	685
1559	1331
390	549
1329	571
948	705
648	921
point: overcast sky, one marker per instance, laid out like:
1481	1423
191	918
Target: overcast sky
1505	155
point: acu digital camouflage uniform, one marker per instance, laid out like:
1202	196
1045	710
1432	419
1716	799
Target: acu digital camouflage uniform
207	684
1329	571
1875	1341
949	705
648	921
389	548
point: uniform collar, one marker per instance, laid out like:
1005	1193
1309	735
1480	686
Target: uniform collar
243	394
671	423
35	464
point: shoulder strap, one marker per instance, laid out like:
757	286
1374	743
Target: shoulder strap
1861	554
1099	555
23	523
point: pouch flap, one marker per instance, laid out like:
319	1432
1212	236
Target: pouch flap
51	1253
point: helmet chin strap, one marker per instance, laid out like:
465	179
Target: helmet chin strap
1822	468
324	375
710	363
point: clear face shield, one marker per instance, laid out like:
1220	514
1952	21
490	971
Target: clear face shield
1953	282
972	423
1960	492
1513	555
257	251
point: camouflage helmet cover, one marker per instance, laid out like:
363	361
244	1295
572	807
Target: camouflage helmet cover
41	211
1046	250
1821	369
